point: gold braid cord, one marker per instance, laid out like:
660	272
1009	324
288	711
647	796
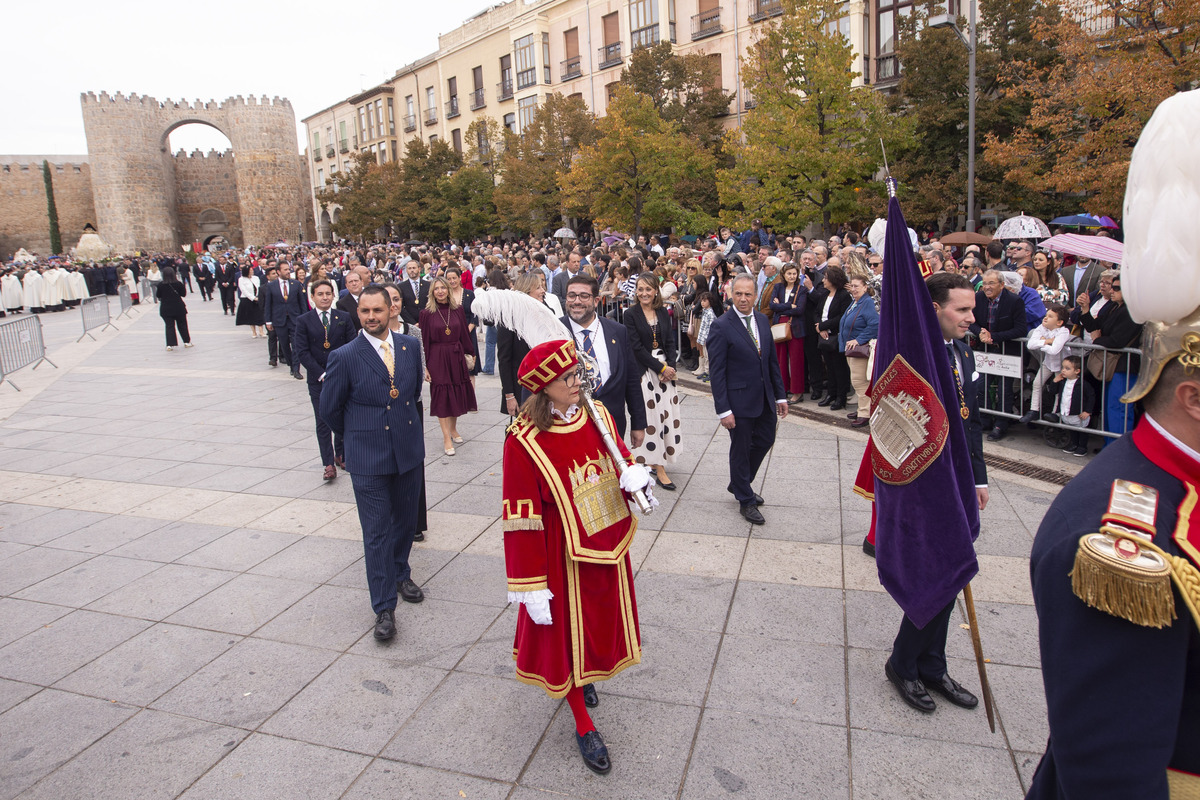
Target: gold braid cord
1190	357
1120	573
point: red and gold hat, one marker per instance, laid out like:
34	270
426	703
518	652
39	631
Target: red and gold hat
547	363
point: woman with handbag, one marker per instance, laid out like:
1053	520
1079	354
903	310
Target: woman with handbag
172	308
860	327
652	339
1118	371
447	339
465	298
789	299
829	323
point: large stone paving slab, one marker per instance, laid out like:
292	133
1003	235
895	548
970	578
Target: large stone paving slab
194	596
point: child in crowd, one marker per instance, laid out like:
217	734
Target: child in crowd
706	319
1049	338
1069	396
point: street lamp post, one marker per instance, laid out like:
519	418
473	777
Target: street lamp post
946	21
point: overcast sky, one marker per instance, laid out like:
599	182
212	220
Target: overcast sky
313	53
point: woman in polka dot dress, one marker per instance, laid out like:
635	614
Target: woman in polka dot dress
652	338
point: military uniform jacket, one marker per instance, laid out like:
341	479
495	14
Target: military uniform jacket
1123	701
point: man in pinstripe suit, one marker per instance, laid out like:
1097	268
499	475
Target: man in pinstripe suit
370	394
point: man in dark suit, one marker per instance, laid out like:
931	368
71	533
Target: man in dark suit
318	333
607	342
281	307
414	293
227	281
564	277
747	390
370	394
1081	277
999	322
918	659
349	301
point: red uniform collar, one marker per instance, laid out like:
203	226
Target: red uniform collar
1167	455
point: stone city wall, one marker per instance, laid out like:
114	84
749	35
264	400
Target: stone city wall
24	221
206	197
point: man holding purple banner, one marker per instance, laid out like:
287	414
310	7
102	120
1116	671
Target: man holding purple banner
926	458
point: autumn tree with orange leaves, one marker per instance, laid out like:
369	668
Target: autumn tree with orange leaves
1119	60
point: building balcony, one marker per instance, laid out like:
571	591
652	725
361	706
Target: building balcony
478	101
317	155
644	37
431	116
410	122
526	78
504	90
610	55
572	68
748	101
344	146
330	151
452	108
706	24
762	9
887	70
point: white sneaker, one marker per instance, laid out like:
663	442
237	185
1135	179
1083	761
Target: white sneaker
187	344
170	348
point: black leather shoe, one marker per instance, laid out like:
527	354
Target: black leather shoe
827	400
758	501
1028	417
852	415
274	362
911	692
409	591
868	548
860	423
590	698
669	485
816	393
840	405
751	513
996	434
385	625
297	376
952	690
419	536
594	752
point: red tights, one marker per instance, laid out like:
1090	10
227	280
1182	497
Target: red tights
583	720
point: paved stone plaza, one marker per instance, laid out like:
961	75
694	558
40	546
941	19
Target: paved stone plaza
183	611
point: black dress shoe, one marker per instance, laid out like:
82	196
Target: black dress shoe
852	415
274	362
860	423
839	405
297	376
409	591
952	690
996	434
758	501
590	698
911	692
751	513
827	400
816	393
385	625
868	548
419	536
594	752
1028	417
669	486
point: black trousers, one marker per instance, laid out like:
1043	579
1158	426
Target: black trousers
279	344
176	322
328	442
837	372
814	364
387	513
920	653
228	301
749	442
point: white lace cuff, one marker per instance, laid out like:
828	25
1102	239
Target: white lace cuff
530	597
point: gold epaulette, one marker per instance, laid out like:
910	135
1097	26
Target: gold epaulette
1121	572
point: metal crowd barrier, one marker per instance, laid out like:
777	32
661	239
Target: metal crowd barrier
126	301
95	314
21	344
145	292
1002	370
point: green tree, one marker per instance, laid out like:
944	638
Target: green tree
51	210
682	88
533	164
809	149
485	145
416	197
468	194
361	192
630	178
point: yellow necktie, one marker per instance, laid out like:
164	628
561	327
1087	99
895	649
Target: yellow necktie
388	361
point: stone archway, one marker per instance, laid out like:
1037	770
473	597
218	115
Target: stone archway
133	180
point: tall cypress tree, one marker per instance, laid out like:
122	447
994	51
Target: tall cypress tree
51	210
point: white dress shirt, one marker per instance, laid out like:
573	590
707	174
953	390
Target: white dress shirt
598	345
742	321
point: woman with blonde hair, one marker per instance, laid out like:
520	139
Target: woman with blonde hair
446	338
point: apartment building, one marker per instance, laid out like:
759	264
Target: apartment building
504	61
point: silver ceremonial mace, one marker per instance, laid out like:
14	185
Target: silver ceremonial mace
588	372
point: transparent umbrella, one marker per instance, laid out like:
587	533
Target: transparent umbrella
1022	227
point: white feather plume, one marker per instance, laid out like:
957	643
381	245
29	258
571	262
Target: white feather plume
878	232
1160	273
520	313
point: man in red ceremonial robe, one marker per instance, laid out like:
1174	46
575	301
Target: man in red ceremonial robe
567	531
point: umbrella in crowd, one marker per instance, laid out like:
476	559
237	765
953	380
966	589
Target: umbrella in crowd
1101	248
564	233
1076	221
612	239
965	237
1022	227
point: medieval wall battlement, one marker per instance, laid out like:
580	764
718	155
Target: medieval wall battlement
146	101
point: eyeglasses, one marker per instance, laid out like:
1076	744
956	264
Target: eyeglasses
577	296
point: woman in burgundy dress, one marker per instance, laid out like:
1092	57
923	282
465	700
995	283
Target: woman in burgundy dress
447	340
